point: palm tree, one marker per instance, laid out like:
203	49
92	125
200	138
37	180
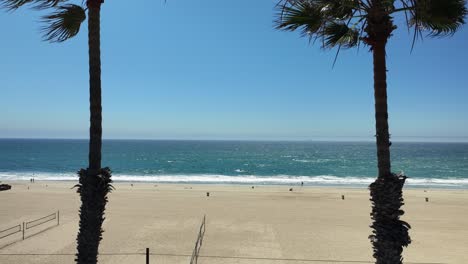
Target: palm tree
94	182
350	23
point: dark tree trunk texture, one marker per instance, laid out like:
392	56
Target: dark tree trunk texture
390	234
93	190
94	42
381	111
94	182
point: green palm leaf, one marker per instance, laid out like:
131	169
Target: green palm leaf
338	9
325	19
338	33
64	23
302	14
38	4
439	17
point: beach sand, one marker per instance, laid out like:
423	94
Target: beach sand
268	224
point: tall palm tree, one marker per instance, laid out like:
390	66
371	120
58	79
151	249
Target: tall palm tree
347	24
94	182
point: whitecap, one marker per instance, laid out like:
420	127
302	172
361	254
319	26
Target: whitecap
327	180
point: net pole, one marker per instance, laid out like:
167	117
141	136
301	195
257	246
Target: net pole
147	255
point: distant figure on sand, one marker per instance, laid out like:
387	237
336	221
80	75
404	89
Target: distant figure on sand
302	183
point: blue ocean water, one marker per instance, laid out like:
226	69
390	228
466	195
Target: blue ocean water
239	162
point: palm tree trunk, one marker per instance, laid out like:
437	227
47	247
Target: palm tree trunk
381	110
94	182
390	234
94	42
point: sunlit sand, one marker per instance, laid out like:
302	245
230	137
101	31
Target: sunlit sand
243	225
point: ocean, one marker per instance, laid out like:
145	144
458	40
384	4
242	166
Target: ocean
438	165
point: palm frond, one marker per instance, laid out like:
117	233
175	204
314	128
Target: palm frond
64	23
439	17
37	4
338	33
302	14
336	23
339	9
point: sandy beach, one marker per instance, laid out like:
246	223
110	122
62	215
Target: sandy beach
267	224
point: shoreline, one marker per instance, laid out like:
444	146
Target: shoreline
246	180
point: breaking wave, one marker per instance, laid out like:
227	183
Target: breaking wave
323	180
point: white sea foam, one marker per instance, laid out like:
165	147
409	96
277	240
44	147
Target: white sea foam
303	160
312	161
242	179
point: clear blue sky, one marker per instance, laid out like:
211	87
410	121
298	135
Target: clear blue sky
218	70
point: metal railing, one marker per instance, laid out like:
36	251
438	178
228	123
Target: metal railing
30	224
198	243
10	231
40	221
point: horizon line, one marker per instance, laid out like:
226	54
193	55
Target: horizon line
408	139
